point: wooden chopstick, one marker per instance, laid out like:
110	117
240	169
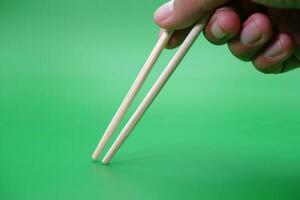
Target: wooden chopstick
158	85
140	79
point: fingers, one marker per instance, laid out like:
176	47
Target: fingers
269	52
254	40
274	57
256	31
223	26
180	14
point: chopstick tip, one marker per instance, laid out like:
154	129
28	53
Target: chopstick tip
105	162
94	157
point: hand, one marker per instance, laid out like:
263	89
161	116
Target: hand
266	32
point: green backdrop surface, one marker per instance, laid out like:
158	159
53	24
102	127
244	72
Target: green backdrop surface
218	130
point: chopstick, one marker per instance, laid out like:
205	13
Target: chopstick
140	79
156	88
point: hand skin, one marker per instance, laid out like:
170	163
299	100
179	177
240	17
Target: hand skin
265	32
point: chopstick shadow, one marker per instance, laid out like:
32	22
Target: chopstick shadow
150	157
214	174
209	173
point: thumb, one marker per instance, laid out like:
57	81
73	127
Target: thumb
180	14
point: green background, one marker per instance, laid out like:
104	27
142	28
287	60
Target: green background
218	130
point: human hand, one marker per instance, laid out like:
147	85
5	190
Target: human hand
266	32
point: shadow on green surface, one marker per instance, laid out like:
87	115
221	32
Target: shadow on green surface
183	174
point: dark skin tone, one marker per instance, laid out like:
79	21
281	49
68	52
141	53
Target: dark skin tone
265	32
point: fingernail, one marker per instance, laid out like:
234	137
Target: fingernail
217	31
250	34
275	50
164	12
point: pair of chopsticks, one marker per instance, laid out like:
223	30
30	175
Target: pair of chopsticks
158	85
